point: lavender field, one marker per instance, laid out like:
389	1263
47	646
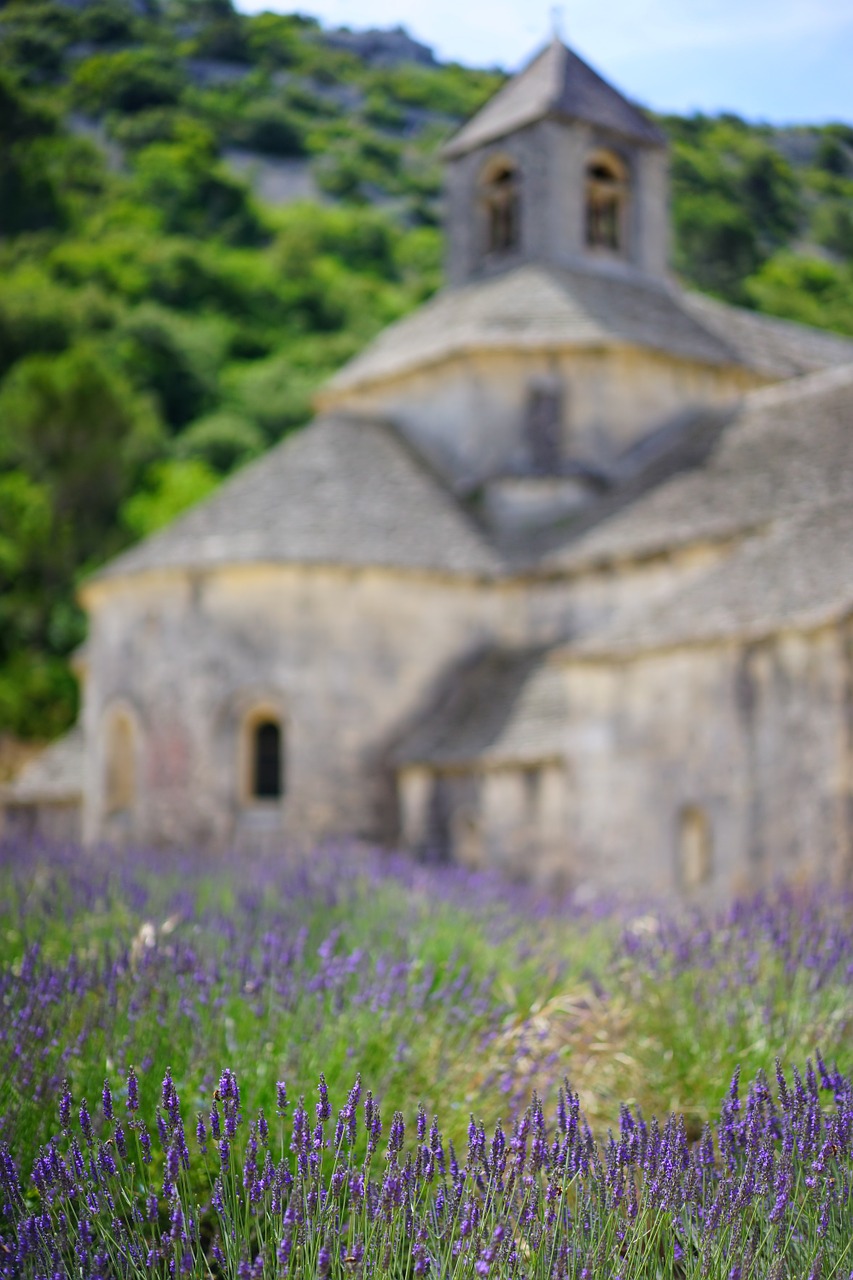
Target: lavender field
354	1066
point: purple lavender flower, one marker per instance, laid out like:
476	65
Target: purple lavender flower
132	1091
322	1108
65	1107
86	1123
120	1140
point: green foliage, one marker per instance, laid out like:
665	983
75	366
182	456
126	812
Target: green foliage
380	111
72	439
73	424
275	393
59	19
450	90
833	157
222	441
219	31
35	51
30	198
832	225
275	39
195	194
269	128
717	246
809	290
735	201
174	357
169	488
162	124
129	80
108	22
38	692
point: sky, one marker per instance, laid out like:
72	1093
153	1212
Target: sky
781	61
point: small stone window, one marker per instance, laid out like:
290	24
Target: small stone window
120	765
267	760
696	850
606	192
543	426
500	195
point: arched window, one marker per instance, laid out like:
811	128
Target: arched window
120	765
696	851
606	190
267	760
500	195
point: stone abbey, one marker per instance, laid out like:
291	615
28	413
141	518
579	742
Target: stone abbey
560	579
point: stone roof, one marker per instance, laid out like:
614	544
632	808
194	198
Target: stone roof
339	492
557	83
503	707
797	575
55	776
778	348
788	448
536	307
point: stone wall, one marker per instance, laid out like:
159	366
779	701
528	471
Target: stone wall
749	736
345	659
467	415
511	818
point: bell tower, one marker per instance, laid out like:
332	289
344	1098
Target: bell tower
557	168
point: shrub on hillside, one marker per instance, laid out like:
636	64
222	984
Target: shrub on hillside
269	128
222	441
108	22
174	357
195	194
130	80
168	489
808	290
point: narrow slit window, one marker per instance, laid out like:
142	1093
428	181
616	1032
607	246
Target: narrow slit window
267	761
543	427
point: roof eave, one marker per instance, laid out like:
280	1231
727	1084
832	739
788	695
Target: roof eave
649	135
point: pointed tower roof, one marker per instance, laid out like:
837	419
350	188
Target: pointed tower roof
556	83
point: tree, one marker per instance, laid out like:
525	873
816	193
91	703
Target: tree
75	426
169	489
222	441
175	358
195	194
129	80
808	290
38	694
29	195
716	246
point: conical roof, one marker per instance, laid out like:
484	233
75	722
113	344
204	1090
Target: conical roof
557	83
340	492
